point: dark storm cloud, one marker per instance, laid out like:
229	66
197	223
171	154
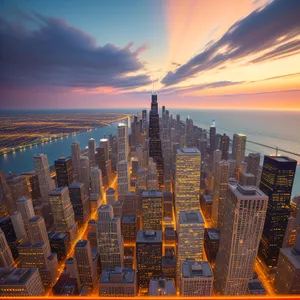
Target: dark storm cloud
58	54
263	29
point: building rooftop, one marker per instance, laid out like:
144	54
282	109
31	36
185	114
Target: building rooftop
247	191
152	194
293	256
62	159
168	261
282	159
23	199
149	236
58	236
76	185
255	285
188	151
213	234
195	269
118	275
35	219
161	287
70	260
81	244
110	191
58	191
129	219
190	217
12	276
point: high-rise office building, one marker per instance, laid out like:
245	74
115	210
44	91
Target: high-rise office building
20	282
196	279
152	210
155	147
96	182
119	282
187	180
276	182
144	120
80	202
220	192
18	225
130	204
42	169
123	179
109	238
75	154
122	141
38	233
84	173
224	147
25	207
148	257
217	157
104	143
60	244
110	196
129	228
86	268
212	137
190	236
62	209
211	243
64	171
92	150
238	148
239	242
33	186
6	257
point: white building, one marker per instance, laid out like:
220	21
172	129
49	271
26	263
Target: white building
244	217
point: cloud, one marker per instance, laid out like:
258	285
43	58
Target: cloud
58	54
273	26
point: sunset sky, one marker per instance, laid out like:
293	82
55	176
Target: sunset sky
233	54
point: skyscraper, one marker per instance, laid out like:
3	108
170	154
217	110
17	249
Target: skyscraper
152	210
155	150
62	209
238	148
220	193
75	154
187	180
239	242
253	164
18	225
122	141
64	171
18	186
123	179
224	147
96	182
85	265
92	150
104	143
190	236
6	257
42	169
109	238
276	182
84	173
80	202
212	137
148	257
25	207
144	120
217	157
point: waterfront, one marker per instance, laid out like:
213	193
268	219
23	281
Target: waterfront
273	128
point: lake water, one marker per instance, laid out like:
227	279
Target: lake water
274	128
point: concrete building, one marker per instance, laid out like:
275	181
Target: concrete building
152	210
7	203
109	238
75	155
120	282
255	287
123	179
96	182
129	228
110	196
247	179
211	243
41	166
130	204
239	148
122	142
187	180
92	150
18	225
253	164
196	279
219	193
239	242
64	171
162	287
20	282
217	157
104	143
84	173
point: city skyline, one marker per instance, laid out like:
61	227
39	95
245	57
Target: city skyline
200	54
